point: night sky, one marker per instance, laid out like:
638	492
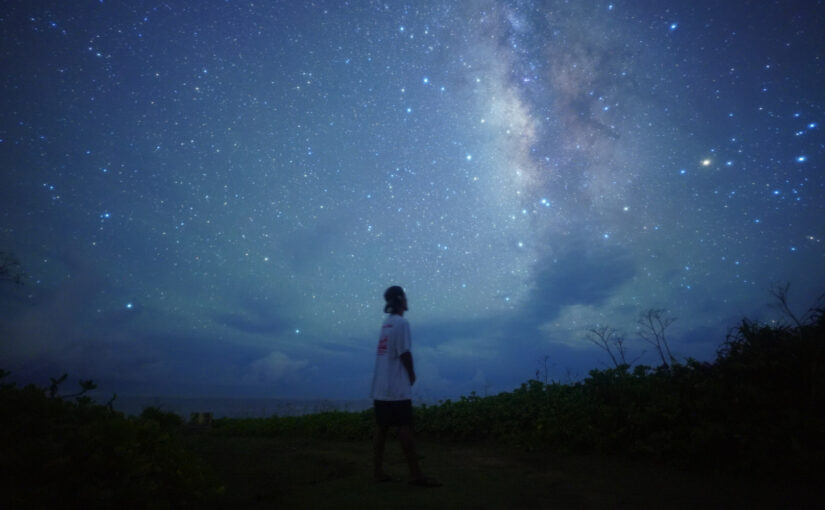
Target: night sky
209	198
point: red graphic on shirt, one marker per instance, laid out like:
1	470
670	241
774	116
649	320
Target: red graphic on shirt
382	346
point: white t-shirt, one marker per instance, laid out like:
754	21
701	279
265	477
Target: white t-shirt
390	381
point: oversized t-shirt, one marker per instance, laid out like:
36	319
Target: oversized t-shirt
390	381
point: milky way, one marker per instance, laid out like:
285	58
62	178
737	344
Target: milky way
211	198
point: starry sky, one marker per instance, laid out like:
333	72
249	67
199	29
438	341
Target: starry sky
209	198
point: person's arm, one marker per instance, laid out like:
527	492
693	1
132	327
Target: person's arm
407	361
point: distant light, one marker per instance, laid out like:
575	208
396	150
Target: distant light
776	192
610	7
812	125
129	306
706	162
297	331
673	26
801	159
606	236
426	80
409	110
469	157
682	171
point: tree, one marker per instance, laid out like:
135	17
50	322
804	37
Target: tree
612	342
780	292
543	370
85	385
652	326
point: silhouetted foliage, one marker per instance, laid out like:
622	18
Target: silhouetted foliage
612	342
61	453
758	406
653	326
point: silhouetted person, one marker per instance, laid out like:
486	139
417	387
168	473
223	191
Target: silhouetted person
392	388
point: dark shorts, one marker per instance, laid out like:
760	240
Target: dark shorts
393	413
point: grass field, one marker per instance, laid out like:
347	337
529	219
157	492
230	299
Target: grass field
311	473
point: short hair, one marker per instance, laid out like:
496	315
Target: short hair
393	296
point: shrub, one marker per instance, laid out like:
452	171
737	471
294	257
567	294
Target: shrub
759	405
61	453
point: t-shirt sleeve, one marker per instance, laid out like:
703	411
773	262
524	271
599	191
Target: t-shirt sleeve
404	341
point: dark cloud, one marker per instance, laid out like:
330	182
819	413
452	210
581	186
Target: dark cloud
257	316
584	274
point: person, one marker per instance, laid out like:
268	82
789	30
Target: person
392	383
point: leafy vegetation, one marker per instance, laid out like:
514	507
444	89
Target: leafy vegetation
759	405
56	452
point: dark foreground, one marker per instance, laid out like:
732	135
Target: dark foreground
312	473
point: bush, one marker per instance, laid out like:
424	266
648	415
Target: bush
60	453
759	406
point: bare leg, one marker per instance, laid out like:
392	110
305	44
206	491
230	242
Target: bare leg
378	441
408	445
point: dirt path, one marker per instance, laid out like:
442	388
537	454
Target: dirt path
304	473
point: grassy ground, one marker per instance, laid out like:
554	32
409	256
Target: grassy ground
311	473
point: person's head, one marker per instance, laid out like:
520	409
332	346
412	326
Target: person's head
396	300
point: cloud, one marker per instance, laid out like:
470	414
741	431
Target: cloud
256	316
275	367
583	274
